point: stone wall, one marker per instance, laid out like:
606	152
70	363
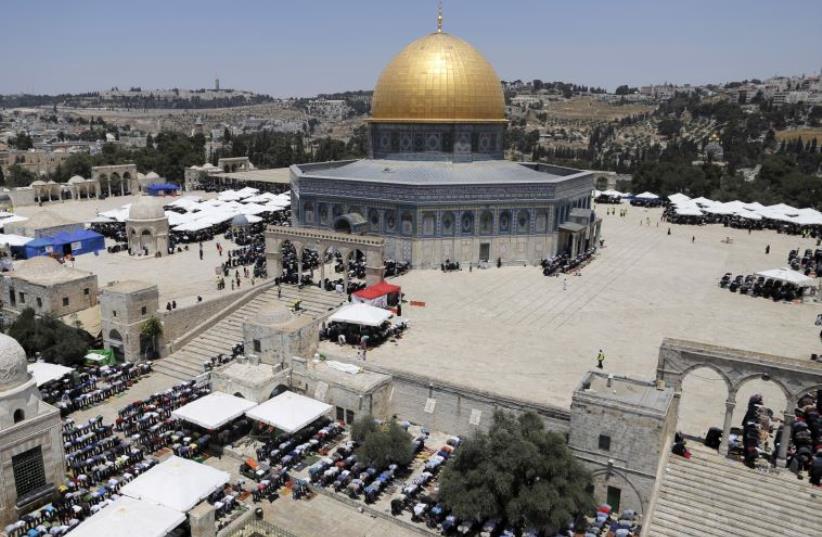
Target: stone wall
458	410
81	294
179	322
44	430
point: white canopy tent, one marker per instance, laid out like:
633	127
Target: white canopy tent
14	240
748	215
176	483
44	372
786	275
12	219
678	198
613	193
361	314
214	410
289	411
688	210
647	196
703	202
135	518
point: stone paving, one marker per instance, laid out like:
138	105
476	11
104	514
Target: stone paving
181	277
514	331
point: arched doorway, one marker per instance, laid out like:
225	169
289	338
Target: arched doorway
116	345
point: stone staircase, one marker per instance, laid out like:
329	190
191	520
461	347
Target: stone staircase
710	495
187	362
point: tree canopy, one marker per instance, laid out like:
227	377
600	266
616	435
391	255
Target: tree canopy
517	472
382	444
55	341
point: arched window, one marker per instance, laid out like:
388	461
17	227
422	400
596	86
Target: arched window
428	224
448	223
486	223
467	223
504	221
308	212
522	221
407	223
19	415
374	220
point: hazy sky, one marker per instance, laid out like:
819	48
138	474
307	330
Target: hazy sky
302	47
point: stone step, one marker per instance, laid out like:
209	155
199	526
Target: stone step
772	499
727	509
710	495
795	492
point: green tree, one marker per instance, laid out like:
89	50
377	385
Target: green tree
20	176
22	141
386	444
54	340
362	427
151	330
519	472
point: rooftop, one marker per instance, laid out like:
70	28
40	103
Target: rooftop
128	286
279	176
625	390
46	271
437	172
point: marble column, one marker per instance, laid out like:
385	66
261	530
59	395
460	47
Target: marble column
730	404
785	439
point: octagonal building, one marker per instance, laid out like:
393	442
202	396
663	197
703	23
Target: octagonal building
436	184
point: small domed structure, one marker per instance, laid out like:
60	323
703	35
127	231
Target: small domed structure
147	227
145	208
274	314
13	362
75	180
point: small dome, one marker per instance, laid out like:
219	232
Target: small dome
275	314
152	175
42	264
76	179
146	208
240	220
13	363
38	183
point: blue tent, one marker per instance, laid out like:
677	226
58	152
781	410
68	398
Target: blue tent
161	189
81	241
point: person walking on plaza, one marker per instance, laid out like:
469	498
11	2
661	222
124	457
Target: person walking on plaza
768	249
693	238
565	284
669	231
600	359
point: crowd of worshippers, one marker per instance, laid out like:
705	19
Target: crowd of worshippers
225	505
76	501
91	385
139	417
342	471
100	457
809	264
220	359
362	336
805	454
760	286
252	255
563	263
284	451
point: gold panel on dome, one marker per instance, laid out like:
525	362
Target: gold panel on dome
436	79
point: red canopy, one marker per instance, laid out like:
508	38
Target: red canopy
377	290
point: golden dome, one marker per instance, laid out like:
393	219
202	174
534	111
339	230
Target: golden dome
438	78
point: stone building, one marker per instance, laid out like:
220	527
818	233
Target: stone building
147	227
124	307
41	224
621	429
353	391
48	287
436	185
31	442
274	335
